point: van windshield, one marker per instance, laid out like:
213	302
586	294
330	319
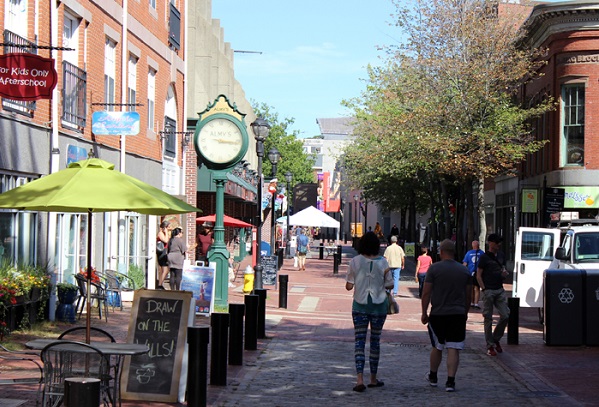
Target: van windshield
586	247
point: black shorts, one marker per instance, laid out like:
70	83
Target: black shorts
163	261
447	331
475	281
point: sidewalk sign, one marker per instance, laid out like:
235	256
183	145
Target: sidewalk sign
159	318
269	270
199	279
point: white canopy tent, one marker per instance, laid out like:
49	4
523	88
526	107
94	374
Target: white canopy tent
311	217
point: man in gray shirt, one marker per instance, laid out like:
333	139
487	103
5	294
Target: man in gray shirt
448	288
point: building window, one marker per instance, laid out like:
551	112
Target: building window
22	107
109	73
132	83
572	146
170	131
152	4
74	88
18	230
151	97
174	28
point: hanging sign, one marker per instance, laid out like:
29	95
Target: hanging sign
115	123
27	76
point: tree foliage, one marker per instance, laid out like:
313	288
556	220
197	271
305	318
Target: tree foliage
446	105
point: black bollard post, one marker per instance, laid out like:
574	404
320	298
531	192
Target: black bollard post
219	322
251	321
236	334
197	361
283	282
335	264
81	391
321	251
261	331
514	321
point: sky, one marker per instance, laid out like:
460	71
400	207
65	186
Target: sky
314	53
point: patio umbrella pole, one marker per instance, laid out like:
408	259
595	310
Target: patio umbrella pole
89	277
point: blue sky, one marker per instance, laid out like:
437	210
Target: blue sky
314	52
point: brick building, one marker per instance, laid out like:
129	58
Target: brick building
568	30
109	56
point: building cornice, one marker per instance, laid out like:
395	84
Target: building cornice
554	18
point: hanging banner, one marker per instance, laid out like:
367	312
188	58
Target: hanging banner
26	76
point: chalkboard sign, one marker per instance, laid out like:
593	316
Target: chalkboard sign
159	319
269	270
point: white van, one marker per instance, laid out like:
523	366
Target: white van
571	246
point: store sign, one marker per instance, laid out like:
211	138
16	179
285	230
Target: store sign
26	76
115	123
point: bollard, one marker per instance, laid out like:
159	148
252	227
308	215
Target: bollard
261	331
219	322
321	251
335	264
197	362
251	321
81	391
283	282
514	321
236	334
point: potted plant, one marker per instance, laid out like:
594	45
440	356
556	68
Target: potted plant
67	294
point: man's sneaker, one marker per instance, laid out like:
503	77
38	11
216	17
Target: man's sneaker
431	381
450	386
498	347
491	351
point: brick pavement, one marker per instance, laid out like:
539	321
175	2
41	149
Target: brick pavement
307	357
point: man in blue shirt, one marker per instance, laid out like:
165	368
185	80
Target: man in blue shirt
471	261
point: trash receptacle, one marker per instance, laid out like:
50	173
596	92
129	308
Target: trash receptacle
248	279
563	304
591	307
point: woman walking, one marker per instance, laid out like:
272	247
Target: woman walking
369	274
424	262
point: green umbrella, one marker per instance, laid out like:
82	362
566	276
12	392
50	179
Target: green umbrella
92	186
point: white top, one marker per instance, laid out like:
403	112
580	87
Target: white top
367	280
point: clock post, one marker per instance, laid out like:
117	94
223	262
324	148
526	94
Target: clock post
221	141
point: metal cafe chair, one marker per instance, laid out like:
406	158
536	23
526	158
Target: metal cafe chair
78	333
66	359
8	357
113	289
98	294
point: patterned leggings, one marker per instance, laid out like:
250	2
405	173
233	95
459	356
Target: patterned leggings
361	321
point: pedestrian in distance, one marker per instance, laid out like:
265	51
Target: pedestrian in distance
368	275
490	275
423	263
303	245
162	239
448	289
396	257
470	260
177	250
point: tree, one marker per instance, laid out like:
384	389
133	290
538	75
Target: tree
446	105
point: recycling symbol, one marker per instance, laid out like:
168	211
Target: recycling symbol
566	295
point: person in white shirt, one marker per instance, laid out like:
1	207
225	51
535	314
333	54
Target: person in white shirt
368	275
395	256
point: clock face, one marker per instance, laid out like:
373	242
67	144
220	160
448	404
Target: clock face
220	141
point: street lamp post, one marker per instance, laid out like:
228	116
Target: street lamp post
288	178
260	127
273	156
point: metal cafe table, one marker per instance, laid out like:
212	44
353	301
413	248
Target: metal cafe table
119	350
